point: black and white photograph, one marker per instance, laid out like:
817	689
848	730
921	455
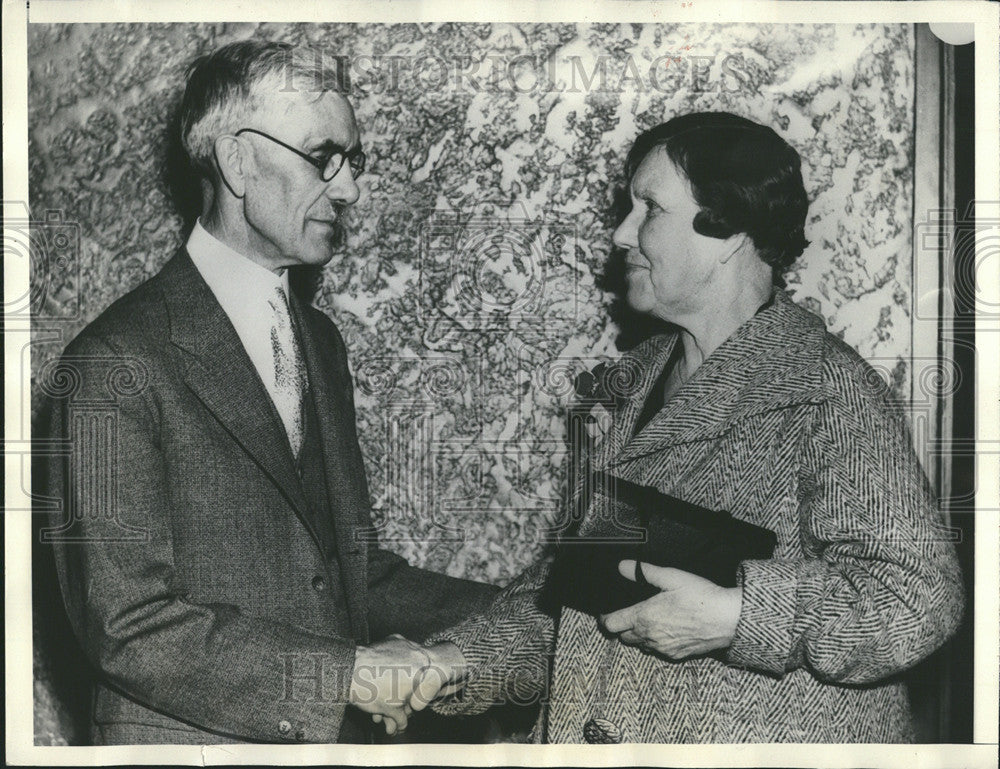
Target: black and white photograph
588	384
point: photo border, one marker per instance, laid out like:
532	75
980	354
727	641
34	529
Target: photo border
18	635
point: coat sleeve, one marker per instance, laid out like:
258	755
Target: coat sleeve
402	598
507	648
207	664
416	602
885	590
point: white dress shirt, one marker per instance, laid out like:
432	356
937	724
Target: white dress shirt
243	288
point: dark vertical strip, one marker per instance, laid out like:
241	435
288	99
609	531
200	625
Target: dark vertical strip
958	722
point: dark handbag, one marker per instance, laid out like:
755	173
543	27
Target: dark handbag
628	521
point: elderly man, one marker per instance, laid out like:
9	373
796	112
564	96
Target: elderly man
231	591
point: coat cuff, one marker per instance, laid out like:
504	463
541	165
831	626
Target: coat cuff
314	699
475	696
764	637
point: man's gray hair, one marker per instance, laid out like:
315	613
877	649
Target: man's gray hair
225	87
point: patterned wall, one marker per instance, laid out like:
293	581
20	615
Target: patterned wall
468	285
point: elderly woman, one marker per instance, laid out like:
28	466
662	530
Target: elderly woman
752	407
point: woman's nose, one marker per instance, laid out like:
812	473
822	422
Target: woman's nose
625	234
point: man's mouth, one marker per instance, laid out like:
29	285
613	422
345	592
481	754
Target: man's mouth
329	219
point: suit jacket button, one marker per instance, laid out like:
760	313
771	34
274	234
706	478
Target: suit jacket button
284	727
319	583
300	735
600	731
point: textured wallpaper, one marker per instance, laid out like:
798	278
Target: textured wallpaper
468	287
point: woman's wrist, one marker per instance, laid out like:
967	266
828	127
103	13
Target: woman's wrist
729	608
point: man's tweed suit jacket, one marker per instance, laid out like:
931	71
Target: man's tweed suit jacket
788	428
231	617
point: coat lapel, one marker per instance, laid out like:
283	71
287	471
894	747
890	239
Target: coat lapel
771	362
644	364
222	376
347	489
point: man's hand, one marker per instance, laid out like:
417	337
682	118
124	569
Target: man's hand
443	676
690	616
385	675
396	677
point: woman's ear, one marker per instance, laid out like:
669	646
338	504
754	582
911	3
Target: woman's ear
230	157
739	243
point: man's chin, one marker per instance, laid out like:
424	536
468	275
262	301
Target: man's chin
319	260
320	250
317	256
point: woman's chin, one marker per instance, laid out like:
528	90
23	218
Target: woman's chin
639	300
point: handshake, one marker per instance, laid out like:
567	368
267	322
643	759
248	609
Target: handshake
394	678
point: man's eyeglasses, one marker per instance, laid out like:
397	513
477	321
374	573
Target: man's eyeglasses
328	166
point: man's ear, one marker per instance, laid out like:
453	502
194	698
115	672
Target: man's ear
231	159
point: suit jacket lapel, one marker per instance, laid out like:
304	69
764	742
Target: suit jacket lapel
347	490
222	376
771	362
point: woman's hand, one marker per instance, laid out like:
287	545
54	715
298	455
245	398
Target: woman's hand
690	616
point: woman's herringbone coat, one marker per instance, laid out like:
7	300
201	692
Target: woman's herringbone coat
786	427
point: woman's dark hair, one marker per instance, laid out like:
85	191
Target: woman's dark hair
744	176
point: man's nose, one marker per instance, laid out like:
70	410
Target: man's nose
342	188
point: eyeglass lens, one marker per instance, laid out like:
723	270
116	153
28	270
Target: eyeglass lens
336	162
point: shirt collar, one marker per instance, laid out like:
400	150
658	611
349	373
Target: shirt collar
233	277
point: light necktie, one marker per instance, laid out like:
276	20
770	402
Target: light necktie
289	371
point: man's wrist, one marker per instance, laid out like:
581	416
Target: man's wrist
406	654
396	657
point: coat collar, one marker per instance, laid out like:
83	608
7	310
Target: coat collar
219	371
771	362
